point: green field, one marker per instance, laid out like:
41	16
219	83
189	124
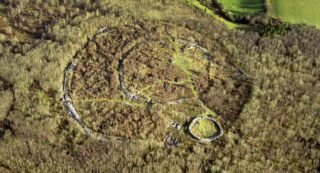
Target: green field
296	11
208	11
243	7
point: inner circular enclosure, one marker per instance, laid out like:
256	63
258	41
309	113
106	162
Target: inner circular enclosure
205	129
133	83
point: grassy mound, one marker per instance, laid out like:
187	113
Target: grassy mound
204	128
295	11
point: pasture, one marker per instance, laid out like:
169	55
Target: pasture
295	11
243	7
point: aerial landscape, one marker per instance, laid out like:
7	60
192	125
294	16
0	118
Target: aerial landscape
186	86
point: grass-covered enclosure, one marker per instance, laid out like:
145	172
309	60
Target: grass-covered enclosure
205	129
295	11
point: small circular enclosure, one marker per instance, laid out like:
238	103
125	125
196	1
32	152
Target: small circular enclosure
205	129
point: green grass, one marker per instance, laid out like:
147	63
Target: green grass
190	64
243	7
295	11
204	128
209	12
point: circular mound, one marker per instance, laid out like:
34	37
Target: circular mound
133	82
205	129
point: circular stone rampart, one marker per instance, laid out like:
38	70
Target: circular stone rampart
131	82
